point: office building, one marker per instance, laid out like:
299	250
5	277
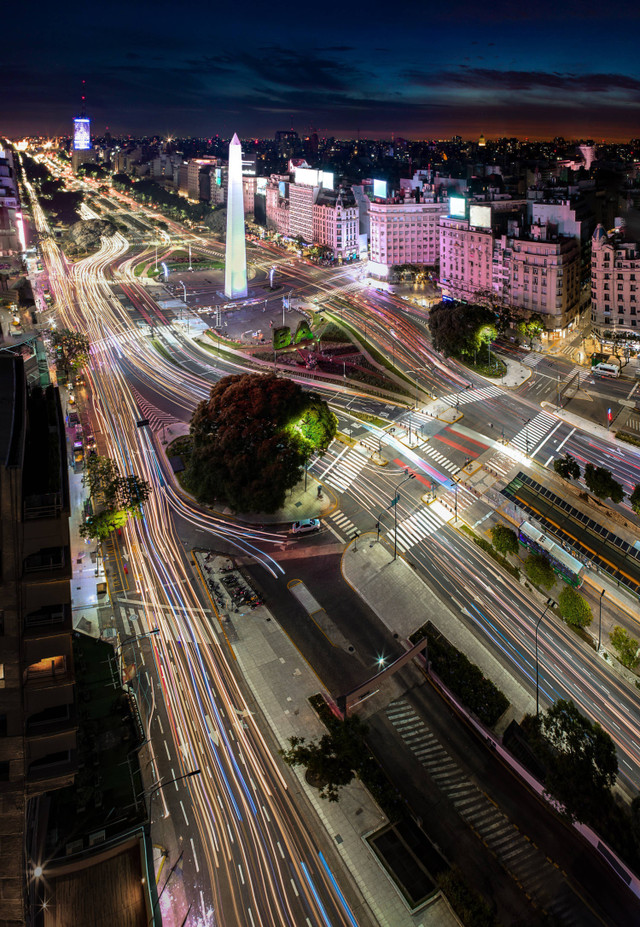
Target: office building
335	222
615	278
38	711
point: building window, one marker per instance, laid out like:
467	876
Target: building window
3	725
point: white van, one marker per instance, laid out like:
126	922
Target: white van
606	370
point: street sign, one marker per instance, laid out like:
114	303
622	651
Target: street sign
394	502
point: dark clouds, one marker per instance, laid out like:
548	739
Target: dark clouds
503	69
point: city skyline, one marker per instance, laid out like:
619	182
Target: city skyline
459	71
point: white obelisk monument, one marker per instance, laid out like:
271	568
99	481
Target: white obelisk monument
235	270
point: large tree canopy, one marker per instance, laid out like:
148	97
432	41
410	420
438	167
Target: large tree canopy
459	329
252	438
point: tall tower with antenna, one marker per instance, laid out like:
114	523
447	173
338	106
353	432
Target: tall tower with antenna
82	128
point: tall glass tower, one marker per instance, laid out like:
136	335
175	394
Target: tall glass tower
235	271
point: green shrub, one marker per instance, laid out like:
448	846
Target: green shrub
575	610
539	570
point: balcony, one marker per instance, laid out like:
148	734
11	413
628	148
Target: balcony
57	719
52	619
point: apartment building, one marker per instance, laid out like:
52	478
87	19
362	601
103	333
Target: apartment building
493	250
277	203
336	223
37	710
615	278
403	232
302	196
198	178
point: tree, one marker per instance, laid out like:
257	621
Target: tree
334	760
579	757
72	349
115	497
634	499
575	610
456	327
539	570
530	328
504	539
252	438
567	467
627	648
601	483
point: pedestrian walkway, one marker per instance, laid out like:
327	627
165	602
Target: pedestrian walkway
465	396
344	470
532	359
339	521
534	433
418	526
440	459
530	868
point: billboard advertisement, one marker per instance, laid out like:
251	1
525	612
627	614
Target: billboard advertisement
261	186
81	134
326	179
480	216
458	207
380	188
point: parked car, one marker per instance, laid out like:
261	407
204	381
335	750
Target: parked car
306	526
74	419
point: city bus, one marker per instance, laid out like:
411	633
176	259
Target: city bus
564	564
606	370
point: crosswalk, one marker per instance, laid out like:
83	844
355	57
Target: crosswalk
522	859
465	396
157	418
531	360
465	498
373	440
338	520
440	459
418	526
343	472
533	433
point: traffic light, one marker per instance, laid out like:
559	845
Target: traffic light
609	416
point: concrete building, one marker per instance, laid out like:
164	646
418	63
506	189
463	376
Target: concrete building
277	203
615	278
494	251
219	182
249	188
403	232
199	178
38	711
335	222
301	199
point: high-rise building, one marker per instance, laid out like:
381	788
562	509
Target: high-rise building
490	249
615	281
335	222
403	232
235	270
38	720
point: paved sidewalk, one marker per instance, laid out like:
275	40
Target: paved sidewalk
404	602
282	682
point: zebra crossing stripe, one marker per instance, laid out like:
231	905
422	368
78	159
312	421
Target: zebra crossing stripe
346	471
415	528
532	434
463	397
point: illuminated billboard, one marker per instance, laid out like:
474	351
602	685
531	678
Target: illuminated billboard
380	189
282	188
326	179
458	207
480	216
81	134
261	186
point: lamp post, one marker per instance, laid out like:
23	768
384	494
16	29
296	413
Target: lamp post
550	602
600	623
157	786
526	437
409	476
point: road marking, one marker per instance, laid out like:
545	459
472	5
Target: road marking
241	873
184	812
562	443
193	849
280	849
160	724
334	532
167	749
334	462
173	776
295	888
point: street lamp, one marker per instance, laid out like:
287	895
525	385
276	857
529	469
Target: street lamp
409	476
600	623
550	602
157	786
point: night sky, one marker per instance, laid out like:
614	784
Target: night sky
419	70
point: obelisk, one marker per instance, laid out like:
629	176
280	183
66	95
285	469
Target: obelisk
235	269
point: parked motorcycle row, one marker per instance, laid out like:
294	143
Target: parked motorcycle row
229	588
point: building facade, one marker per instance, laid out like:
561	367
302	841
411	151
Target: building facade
615	278
404	232
336	223
37	711
499	254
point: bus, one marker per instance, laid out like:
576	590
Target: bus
567	567
606	370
